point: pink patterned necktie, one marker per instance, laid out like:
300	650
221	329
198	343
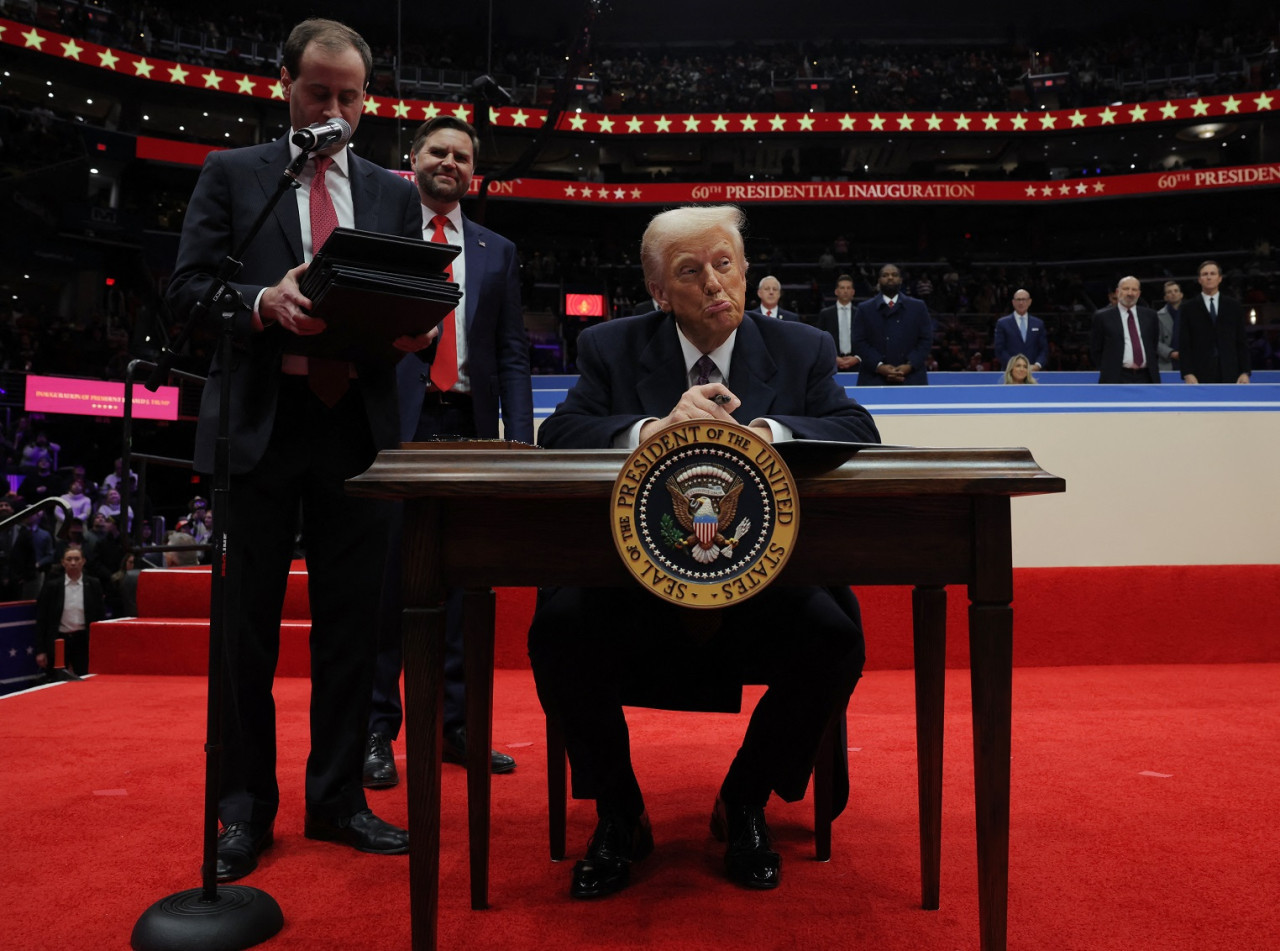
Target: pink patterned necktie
444	368
705	367
329	379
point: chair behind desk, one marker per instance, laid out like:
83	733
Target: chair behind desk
833	752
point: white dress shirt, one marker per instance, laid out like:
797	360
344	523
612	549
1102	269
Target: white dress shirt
844	320
72	605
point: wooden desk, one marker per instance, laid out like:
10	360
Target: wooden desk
541	518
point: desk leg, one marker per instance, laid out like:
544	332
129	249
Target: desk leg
929	624
423	717
991	672
423	631
477	631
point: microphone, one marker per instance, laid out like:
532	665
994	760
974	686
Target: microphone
320	135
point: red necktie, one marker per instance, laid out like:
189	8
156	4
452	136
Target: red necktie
444	368
768	313
329	379
1138	360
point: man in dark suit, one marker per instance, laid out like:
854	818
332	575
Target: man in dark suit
637	376
66	606
892	334
1212	343
487	368
769	290
837	320
300	427
1124	338
1020	333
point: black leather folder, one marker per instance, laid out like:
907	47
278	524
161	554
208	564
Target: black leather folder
371	288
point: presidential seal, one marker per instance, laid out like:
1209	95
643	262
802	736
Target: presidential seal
704	513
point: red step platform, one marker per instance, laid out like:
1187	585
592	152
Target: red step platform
1062	616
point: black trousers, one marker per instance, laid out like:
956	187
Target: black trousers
312	451
593	649
439	420
75	650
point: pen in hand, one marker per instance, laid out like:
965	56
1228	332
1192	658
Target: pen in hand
720	399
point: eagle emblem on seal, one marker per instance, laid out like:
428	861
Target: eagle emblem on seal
705	500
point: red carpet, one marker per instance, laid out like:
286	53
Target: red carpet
1142	615
1144	803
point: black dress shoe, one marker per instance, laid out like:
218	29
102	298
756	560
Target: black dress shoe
379	763
239	845
747	858
455	751
363	831
614	846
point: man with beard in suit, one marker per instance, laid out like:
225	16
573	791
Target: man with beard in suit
1124	338
454	388
892	334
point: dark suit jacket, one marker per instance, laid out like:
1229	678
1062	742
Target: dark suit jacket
49	605
829	320
783	314
232	189
905	336
1199	338
1106	343
634	368
1009	342
497	345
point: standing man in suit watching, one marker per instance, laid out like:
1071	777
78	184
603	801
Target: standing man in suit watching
769	290
455	389
699	358
65	608
892	334
1020	333
300	427
1169	317
1212	344
837	320
1124	338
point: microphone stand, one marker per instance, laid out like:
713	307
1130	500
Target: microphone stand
233	916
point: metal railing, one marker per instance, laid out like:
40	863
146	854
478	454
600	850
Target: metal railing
132	536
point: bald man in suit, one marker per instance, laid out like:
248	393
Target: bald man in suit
1125	338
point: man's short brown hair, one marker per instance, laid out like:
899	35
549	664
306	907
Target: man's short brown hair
446	122
328	34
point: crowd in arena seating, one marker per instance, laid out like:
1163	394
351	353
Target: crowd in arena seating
1127	62
91	517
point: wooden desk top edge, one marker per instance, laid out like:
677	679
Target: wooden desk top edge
412	473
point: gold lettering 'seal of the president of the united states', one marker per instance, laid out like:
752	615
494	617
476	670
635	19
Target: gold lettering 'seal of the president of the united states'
705	514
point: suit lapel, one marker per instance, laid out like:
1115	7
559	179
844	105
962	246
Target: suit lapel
663	376
752	373
285	213
364	193
477	253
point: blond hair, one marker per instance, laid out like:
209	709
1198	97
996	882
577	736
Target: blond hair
678	224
